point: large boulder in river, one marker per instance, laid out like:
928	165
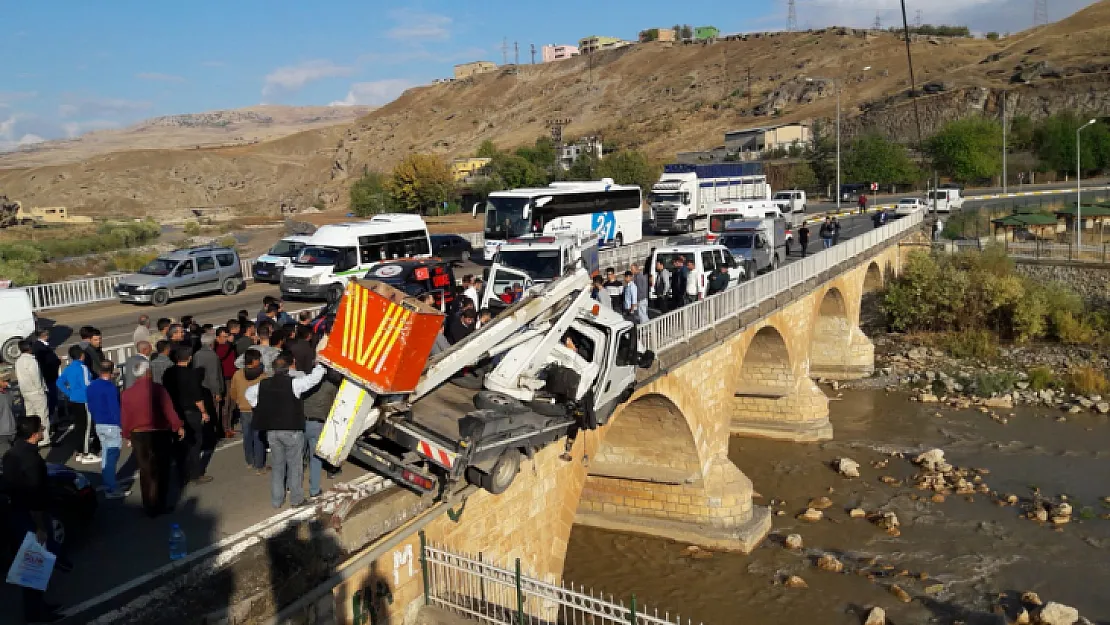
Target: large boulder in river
1057	614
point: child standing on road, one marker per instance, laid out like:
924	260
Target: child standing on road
103	399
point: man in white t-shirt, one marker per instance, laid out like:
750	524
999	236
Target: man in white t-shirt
693	282
469	291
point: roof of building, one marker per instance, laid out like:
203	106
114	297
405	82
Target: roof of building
1023	220
1089	210
764	128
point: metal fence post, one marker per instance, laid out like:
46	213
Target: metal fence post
632	620
519	596
424	566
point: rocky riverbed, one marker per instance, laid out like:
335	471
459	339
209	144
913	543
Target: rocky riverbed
933	515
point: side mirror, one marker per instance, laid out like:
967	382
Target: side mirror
646	359
474	210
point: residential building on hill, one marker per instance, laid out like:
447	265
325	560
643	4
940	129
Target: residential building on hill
466	70
558	53
589	45
657	34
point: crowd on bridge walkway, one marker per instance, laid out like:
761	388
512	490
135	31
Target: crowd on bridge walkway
187	387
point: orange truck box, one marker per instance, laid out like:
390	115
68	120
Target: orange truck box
381	338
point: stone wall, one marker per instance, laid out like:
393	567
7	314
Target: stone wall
1090	280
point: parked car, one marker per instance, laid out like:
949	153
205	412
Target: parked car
908	206
189	271
419	276
270	266
72	504
451	247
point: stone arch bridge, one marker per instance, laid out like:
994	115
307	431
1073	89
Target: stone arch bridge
660	466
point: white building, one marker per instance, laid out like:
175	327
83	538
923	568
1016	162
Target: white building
585	145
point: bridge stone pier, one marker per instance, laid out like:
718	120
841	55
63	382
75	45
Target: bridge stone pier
660	466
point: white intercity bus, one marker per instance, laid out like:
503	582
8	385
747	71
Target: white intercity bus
612	211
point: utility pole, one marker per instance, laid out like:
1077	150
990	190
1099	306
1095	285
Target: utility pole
917	19
516	53
749	87
878	25
1040	13
791	16
533	54
1004	93
505	51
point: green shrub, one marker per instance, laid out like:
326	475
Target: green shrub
20	272
977	344
130	261
1087	380
1041	378
1071	329
987	384
192	228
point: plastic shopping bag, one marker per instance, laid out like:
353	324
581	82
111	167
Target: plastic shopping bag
33	564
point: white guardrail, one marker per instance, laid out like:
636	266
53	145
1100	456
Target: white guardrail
677	326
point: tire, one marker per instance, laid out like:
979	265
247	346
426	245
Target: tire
10	352
464	257
335	292
499	402
160	298
500	476
230	286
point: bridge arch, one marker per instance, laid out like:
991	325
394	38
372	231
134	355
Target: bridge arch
873	280
831	335
766	368
651	440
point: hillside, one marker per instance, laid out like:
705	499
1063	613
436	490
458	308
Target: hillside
210	129
655	97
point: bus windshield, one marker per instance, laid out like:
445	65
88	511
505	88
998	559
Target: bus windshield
505	218
539	265
318	256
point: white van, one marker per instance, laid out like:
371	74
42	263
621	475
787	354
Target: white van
338	251
17	322
944	200
706	259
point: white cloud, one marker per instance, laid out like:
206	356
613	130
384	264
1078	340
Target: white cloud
14	133
75	106
159	77
76	129
375	93
419	25
292	78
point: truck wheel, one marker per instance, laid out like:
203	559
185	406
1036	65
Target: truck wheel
10	352
499	402
161	297
501	476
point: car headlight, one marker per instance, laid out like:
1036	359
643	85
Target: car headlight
80	482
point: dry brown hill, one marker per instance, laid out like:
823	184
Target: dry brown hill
656	97
209	129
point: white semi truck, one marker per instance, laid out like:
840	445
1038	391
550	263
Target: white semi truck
681	199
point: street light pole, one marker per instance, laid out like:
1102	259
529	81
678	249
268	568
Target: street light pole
1079	189
1004	142
838	146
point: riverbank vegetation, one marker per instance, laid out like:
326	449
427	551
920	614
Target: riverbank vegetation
22	260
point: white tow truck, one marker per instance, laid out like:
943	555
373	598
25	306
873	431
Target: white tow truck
553	362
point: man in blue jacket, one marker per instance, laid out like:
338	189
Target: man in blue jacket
103	399
73	384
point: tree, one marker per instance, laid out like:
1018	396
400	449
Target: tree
583	168
687	31
542	154
1054	141
421	182
874	158
1020	137
516	171
800	176
651	34
820	155
629	167
487	150
967	149
992	35
370	195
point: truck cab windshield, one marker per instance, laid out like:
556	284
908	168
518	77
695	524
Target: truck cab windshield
505	218
737	241
542	265
318	256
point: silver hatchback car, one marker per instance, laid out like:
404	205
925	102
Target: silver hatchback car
189	271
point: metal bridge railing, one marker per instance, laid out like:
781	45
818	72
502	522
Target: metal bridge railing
484	592
678	326
1036	250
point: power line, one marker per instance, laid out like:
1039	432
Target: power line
533	54
791	16
505	51
917	19
516	53
913	83
1040	13
878	25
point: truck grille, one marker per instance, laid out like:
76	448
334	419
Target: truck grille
664	218
295	281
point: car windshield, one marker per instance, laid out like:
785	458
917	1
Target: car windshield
784	196
907	201
318	256
737	241
539	265
158	267
288	249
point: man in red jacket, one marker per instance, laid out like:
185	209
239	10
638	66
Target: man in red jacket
149	422
225	351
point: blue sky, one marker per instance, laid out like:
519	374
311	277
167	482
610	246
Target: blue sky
71	67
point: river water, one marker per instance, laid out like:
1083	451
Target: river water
969	552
